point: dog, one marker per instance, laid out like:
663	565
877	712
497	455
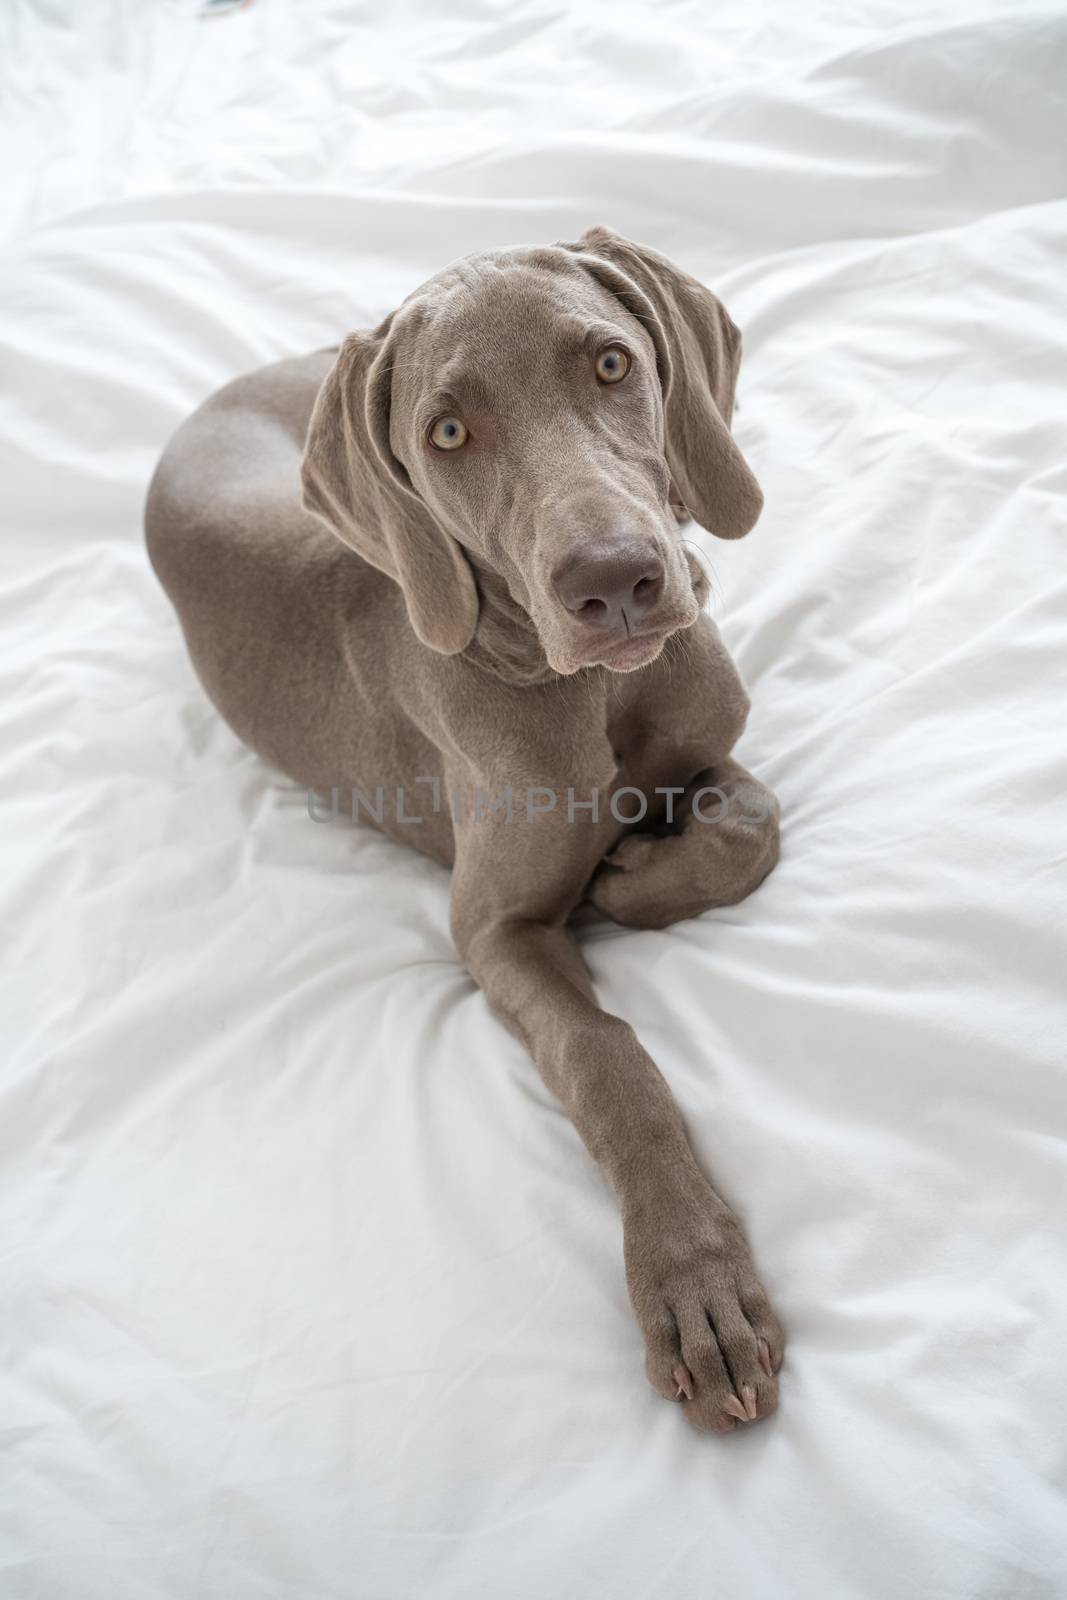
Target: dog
443	561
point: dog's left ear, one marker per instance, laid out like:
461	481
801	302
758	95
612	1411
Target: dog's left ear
354	483
698	351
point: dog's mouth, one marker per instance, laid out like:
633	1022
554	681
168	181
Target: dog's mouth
630	652
627	655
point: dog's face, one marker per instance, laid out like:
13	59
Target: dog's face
527	412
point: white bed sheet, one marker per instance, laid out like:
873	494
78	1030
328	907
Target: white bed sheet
308	1288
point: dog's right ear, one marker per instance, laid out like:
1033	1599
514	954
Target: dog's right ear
355	484
698	351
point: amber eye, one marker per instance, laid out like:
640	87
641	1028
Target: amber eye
612	364
448	433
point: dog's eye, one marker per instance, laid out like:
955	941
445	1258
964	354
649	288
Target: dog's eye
448	433
612	364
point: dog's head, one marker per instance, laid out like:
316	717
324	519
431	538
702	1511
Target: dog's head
534	412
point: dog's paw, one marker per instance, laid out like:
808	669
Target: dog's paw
635	886
727	844
712	1341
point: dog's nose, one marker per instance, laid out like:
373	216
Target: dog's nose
599	589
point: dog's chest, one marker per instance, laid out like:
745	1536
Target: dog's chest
667	724
648	756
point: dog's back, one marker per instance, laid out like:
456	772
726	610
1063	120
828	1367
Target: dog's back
258	584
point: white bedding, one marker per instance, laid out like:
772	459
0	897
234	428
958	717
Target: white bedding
308	1288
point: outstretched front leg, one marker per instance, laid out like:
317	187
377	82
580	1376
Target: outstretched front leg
725	843
712	1340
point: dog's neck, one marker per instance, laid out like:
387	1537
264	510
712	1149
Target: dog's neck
505	642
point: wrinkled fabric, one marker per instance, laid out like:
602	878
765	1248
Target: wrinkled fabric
308	1288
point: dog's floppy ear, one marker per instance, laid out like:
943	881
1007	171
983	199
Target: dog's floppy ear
698	351
355	484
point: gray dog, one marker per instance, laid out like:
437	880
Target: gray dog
446	555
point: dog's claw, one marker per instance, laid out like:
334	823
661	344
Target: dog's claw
733	1408
748	1397
683	1378
764	1353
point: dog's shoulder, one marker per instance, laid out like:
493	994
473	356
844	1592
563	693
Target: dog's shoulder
491	729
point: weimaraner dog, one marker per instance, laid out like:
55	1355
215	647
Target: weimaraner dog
442	564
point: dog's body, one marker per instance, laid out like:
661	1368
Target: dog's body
380	633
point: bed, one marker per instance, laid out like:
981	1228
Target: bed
308	1288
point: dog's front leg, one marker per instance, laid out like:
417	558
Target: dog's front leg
711	1337
726	844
